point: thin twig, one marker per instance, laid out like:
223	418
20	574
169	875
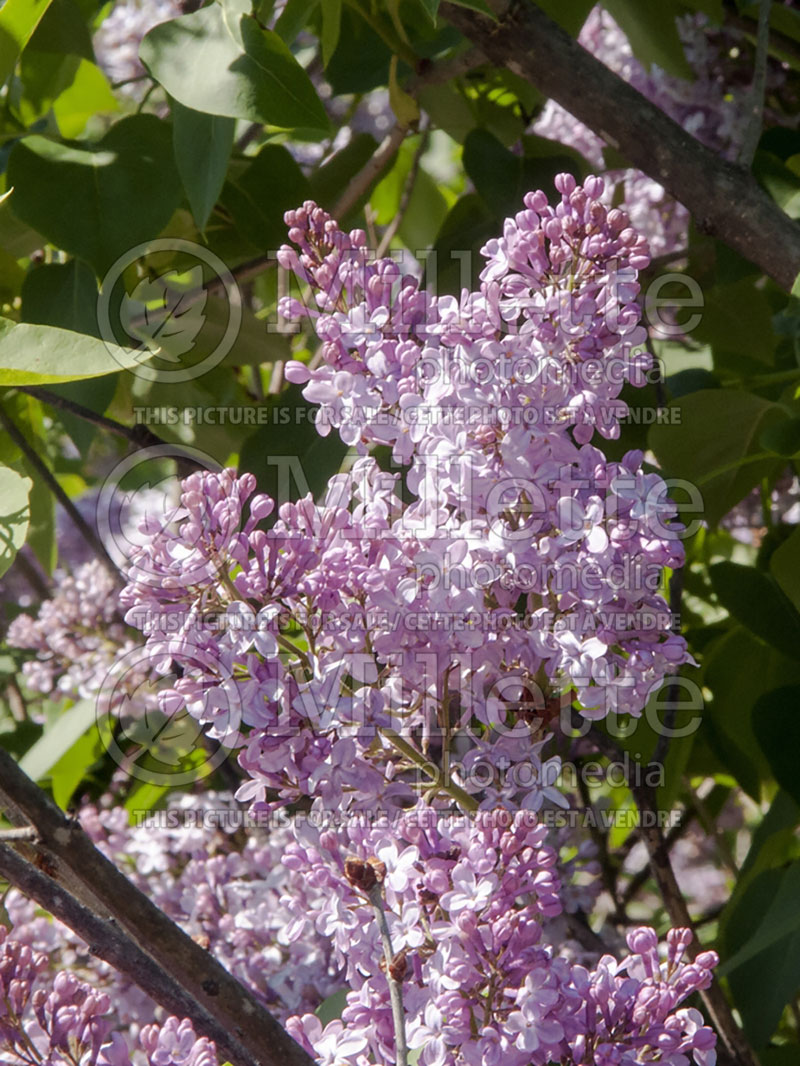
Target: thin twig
600	839
20	832
780	45
47	476
139	435
374	166
249	135
673	688
712	828
40	584
713	997
97	883
395	987
447	70
752	133
405	198
674	834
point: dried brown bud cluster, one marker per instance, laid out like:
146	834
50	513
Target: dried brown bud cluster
398	967
364	874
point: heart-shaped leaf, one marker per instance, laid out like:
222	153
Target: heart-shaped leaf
15	516
40	355
97	201
213	64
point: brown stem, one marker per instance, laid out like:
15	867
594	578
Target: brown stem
109	943
641	876
724	199
138	434
405	198
375	165
395	986
70	855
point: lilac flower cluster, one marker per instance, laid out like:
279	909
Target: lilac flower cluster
486	589
63	1021
465	907
116	42
78	636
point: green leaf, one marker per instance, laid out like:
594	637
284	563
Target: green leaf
14	494
332	1007
361	60
145	797
18	21
61	294
781	182
203	66
449	109
737	669
202	146
63	30
501	177
293	18
98	201
653	33
65	295
783	438
88	94
286	454
38	355
70	770
258	198
331	25
762	985
569	16
477	5
776	724
328	182
781	919
57	71
756	600
714	443
27	412
405	107
168	317
426	208
469	224
784	565
57	739
431	8
737	318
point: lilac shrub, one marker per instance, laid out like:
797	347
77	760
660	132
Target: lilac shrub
371	655
371	651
